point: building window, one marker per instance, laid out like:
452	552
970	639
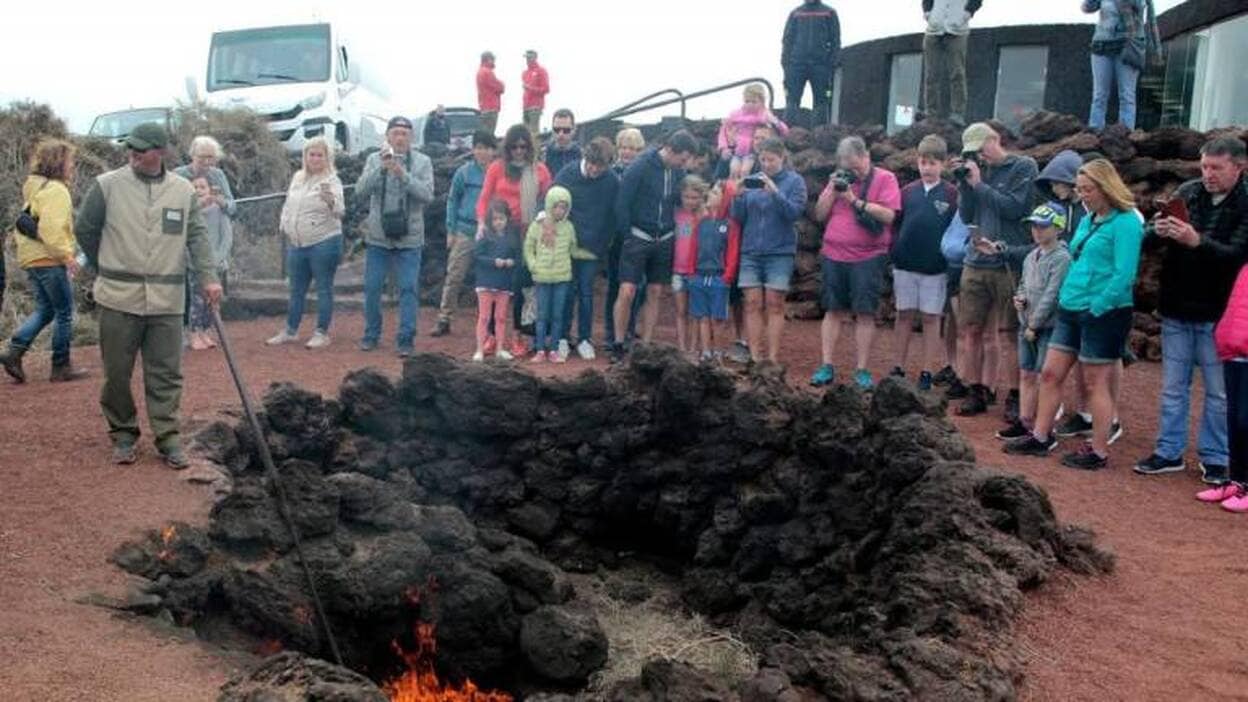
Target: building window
903	91
835	117
1022	72
1205	84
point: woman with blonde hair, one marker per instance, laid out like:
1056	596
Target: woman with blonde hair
1095	311
312	222
49	259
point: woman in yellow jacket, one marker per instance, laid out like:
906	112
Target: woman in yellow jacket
49	260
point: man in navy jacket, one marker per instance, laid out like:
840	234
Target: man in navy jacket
809	54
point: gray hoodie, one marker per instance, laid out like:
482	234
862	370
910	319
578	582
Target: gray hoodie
416	184
1042	278
998	205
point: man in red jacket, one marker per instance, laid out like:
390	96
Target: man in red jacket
489	93
536	85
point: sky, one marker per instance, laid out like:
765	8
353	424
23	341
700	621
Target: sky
138	53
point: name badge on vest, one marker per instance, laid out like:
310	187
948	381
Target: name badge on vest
171	221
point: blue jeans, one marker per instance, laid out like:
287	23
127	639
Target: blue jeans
307	263
54	302
552	300
1108	71
584	273
1186	346
405	264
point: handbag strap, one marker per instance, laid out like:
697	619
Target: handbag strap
385	177
46	180
1075	252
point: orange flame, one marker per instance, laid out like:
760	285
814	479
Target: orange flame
167	535
420	683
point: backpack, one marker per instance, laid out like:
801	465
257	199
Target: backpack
954	241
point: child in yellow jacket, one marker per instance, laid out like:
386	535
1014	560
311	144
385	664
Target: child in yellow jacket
548	250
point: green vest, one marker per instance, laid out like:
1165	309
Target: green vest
142	261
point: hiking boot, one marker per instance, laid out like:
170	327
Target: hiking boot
1085	459
957	390
12	362
1030	446
1214	474
1073	425
945	376
823	375
1011	406
585	350
897	372
925	381
862	377
124	453
975	403
174	457
1017	430
66	373
442	329
1221	493
1156	465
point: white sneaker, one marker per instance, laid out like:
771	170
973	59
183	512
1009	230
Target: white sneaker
319	340
478	357
585	350
283	338
564	350
503	354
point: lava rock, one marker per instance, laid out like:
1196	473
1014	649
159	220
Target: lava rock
249	517
370	404
293	677
672	681
562	645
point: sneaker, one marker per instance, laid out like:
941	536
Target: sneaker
1156	465
285	337
490	345
824	375
897	372
1214	474
862	377
957	390
504	354
1221	493
945	376
442	329
406	351
1237	504
740	353
1115	432
707	356
1011	406
616	353
519	348
562	351
975	403
366	345
174	458
1073	425
990	396
319	340
478	357
925	381
1017	430
1030	446
1085	459
539	357
556	358
125	453
585	350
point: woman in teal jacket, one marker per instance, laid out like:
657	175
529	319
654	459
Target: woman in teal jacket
1095	311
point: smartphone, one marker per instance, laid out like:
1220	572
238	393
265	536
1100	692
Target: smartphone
1173	207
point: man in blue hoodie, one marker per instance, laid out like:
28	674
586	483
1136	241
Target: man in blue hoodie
594	188
645	210
461	225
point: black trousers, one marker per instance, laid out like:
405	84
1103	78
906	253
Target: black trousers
1236	373
820	76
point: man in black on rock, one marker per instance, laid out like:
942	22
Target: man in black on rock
809	54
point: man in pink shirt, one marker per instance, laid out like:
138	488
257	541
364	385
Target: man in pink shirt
536	84
860	203
489	93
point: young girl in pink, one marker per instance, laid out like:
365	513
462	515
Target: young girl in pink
684	258
736	134
495	256
1231	339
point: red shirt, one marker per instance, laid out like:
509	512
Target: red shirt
536	84
489	90
497	185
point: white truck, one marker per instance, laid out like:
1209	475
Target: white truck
303	80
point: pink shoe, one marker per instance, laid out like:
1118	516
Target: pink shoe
1221	493
539	357
1237	504
556	357
490	346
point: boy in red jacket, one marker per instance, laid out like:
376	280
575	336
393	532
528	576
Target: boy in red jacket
717	243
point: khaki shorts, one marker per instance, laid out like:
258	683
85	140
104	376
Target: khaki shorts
987	293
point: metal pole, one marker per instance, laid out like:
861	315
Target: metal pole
279	494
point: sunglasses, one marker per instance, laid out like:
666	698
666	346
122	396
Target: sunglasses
561	130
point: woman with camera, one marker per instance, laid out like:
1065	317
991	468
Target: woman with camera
312	222
47	250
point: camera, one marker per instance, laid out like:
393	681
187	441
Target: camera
961	172
842	179
753	182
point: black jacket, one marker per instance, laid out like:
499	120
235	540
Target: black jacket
1196	283
812	35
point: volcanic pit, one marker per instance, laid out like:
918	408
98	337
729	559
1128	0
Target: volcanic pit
848	538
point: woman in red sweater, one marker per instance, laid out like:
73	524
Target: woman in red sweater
520	180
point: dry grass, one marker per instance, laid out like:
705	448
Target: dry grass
659	627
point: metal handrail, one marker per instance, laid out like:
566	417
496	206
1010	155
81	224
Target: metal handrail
684	99
647	98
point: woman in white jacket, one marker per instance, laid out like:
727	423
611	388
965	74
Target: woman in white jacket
312	223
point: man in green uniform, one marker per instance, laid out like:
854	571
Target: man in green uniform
137	226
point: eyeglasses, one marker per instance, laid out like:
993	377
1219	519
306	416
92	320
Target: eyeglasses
561	130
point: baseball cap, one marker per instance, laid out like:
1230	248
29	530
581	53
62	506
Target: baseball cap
398	121
147	136
1047	216
975	135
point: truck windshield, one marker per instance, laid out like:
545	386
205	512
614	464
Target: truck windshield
115	125
299	54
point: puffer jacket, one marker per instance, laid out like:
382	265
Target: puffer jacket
551	263
1231	334
812	35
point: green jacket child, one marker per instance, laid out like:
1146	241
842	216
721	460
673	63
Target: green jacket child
548	257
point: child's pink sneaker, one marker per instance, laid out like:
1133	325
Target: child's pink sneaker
1237	504
556	357
1221	493
539	357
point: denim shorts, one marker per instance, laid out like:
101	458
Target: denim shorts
1095	340
1031	353
708	298
771	271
